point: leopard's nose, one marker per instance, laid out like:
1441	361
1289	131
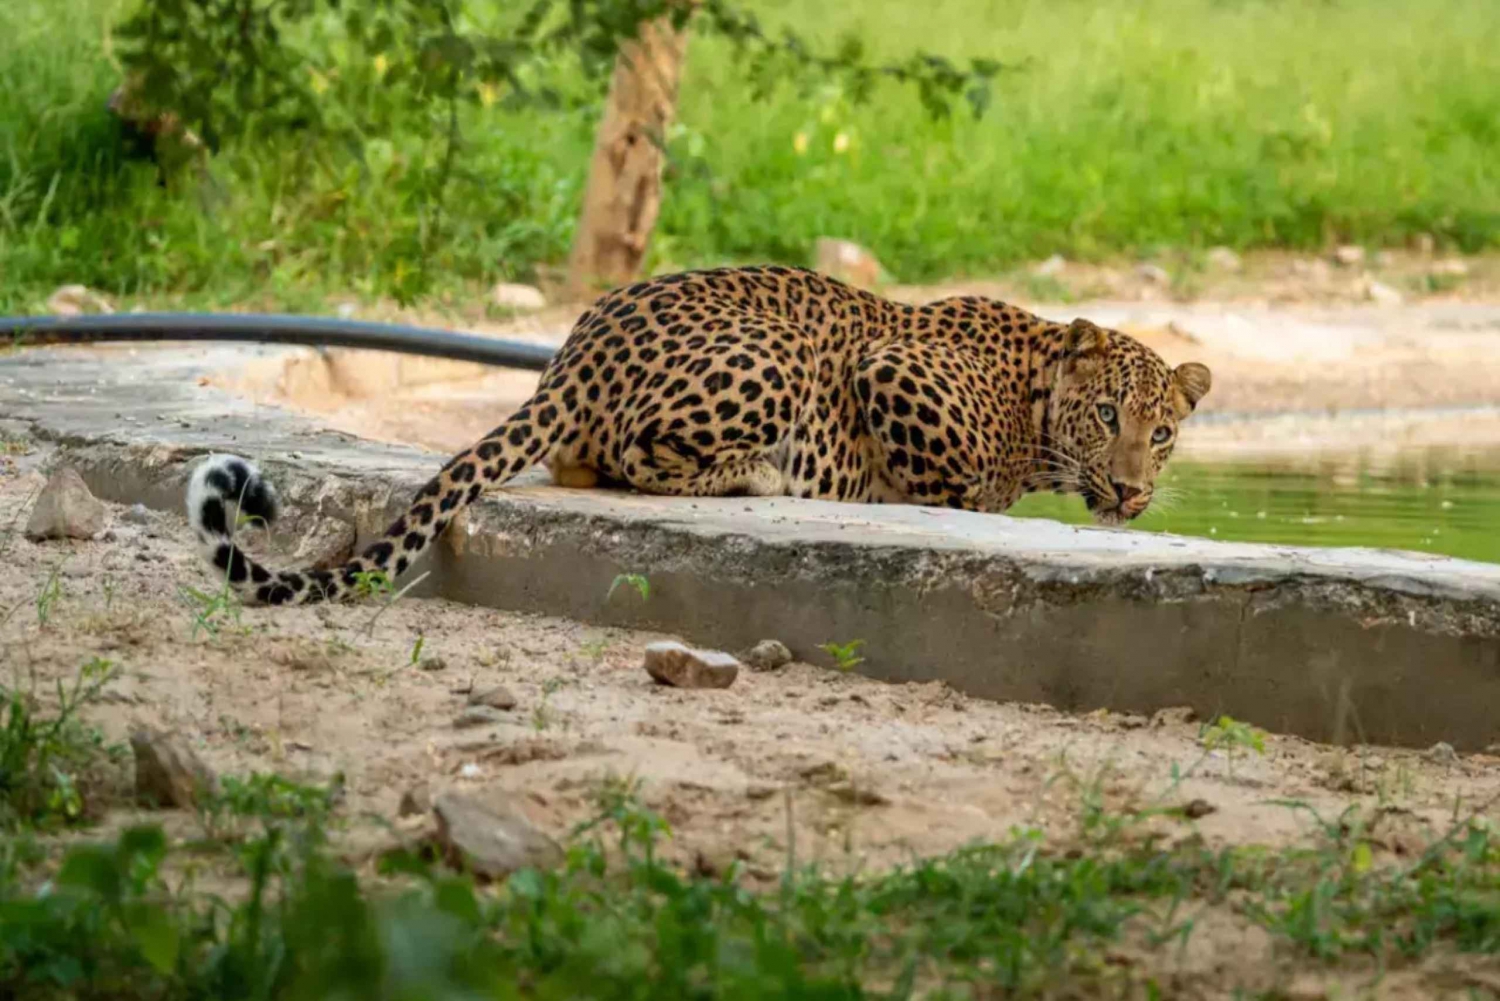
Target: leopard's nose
1125	492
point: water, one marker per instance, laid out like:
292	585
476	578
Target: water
1440	500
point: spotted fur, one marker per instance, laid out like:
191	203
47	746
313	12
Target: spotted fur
773	380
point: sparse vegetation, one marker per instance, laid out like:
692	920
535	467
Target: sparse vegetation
843	654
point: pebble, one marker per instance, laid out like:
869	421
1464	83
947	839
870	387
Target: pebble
682	666
137	514
490	841
1350	255
498	697
66	509
168	773
1441	752
508	295
768	655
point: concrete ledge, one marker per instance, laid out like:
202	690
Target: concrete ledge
1330	644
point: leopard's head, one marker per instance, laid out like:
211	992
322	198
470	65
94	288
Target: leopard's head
1113	419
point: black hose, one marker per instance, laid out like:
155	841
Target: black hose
314	331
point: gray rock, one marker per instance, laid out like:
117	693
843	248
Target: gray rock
66	509
1223	259
1442	752
137	514
1154	273
489	840
167	772
75	300
477	716
768	655
498	697
681	666
1350	255
433	663
1051	267
522	298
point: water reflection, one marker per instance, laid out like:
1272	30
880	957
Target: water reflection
1434	500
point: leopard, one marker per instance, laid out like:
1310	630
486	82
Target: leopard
772	380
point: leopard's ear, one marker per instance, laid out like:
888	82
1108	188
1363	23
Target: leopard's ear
1194	379
1084	338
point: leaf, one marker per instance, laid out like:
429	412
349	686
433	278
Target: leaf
1362	858
155	935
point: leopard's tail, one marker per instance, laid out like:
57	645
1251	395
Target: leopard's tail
226	490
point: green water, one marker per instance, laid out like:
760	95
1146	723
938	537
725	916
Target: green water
1443	501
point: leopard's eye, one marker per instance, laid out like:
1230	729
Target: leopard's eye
1161	435
1108	414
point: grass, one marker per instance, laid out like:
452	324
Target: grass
1122	129
1019	918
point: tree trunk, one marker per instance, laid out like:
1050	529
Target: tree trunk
624	187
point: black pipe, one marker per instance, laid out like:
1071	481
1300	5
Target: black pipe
314	331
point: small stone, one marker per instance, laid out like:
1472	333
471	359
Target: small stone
167	773
75	300
1051	267
1198	808
524	298
1350	255
498	697
1174	716
1450	266
1381	293
488	841
768	655
1154	273
137	514
847	261
681	666
66	509
1425	244
477	716
432	664
1224	259
1441	752
415	801
1315	269
327	543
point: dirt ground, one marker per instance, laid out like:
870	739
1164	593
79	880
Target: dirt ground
870	772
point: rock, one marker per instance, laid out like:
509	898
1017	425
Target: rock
1154	273
137	514
1450	266
1051	267
327	543
1174	716
1442	752
1315	269
768	655
1381	293
498	697
1224	259
1198	808
168	773
432	664
477	716
1349	256
681	666
75	300
847	262
524	298
1425	244
415	801
66	509
488	841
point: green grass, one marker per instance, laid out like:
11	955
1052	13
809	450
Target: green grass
1123	128
1015	919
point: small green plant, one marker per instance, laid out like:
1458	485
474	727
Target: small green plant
541	716
47	597
368	583
635	580
44	759
843	654
1233	737
416	649
212	612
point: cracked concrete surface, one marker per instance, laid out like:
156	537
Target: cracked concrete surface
1329	644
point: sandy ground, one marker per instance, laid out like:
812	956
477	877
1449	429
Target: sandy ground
874	770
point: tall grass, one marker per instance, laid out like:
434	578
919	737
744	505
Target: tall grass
1121	129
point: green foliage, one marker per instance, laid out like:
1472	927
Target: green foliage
844	654
1017	918
46	759
635	580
